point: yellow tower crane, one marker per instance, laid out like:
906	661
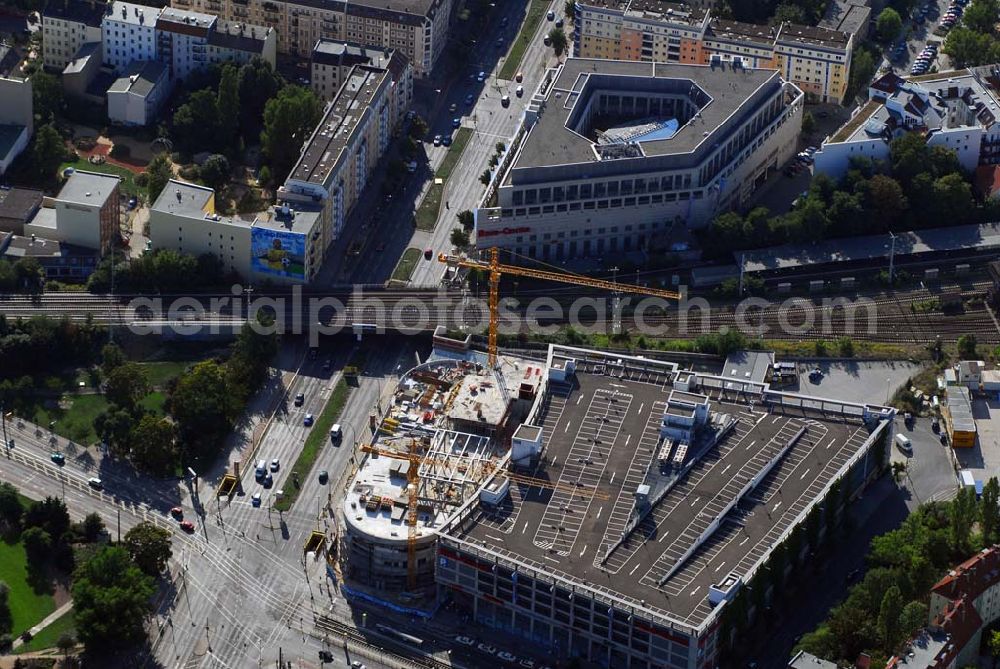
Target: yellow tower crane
495	269
412	484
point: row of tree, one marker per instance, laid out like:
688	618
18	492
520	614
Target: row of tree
40	345
920	186
882	611
203	404
975	42
159	271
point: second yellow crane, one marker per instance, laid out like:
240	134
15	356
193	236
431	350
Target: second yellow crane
496	269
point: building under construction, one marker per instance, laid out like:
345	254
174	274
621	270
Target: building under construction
597	505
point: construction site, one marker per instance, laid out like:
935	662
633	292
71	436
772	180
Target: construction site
597	505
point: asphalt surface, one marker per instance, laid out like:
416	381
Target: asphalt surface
379	229
917	36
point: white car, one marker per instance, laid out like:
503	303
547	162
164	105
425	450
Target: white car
358	665
465	641
507	657
275	465
486	648
95	483
527	664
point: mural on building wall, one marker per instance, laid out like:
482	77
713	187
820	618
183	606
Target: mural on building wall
278	252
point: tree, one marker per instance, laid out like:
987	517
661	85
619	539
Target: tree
862	69
50	515
558	39
258	83
37	545
153	449
808	124
484	178
962	514
885	195
467	219
158	173
215	171
569	9
953	199
92	527
10	507
46	96
149	547
994	645
888	617
203	408
888	25
228	104
789	13
197	122
114	427
251	353
981	16
967	346
47	151
968	48
989	511
6	619
289	118
111	601
65	643
126	386
112	356
459	238
912	618
418	127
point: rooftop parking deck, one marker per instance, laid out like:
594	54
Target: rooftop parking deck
602	434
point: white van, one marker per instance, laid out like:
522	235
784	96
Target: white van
261	469
903	443
336	433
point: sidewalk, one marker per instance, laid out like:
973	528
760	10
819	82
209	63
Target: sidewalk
48	620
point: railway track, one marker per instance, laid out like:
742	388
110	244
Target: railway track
351	636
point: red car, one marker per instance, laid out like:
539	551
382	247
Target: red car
177	512
187	526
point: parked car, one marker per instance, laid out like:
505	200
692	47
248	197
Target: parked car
481	77
551	16
465	641
456	122
486	648
559	23
519	77
505	101
519	91
446	140
187	526
453	107
547	41
527	664
437	140
507	657
428	253
177	512
469	99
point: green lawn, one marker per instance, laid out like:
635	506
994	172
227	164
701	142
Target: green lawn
430	207
47	638
319	435
407	263
154	402
26	606
77	422
128	186
160	373
536	11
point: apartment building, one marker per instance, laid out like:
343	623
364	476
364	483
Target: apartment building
332	62
17	119
190	40
616	154
128	33
817	60
416	28
956	110
136	97
346	146
66	26
86	212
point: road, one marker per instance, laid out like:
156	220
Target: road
917	36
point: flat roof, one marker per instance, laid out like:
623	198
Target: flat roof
337	52
722	91
601	434
88	188
131	13
184	21
81	57
848	249
79	11
239	36
813	35
738	30
19	203
21	247
185	199
748	365
323	150
849	16
141	79
401	11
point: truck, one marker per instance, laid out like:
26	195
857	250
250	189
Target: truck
969	481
